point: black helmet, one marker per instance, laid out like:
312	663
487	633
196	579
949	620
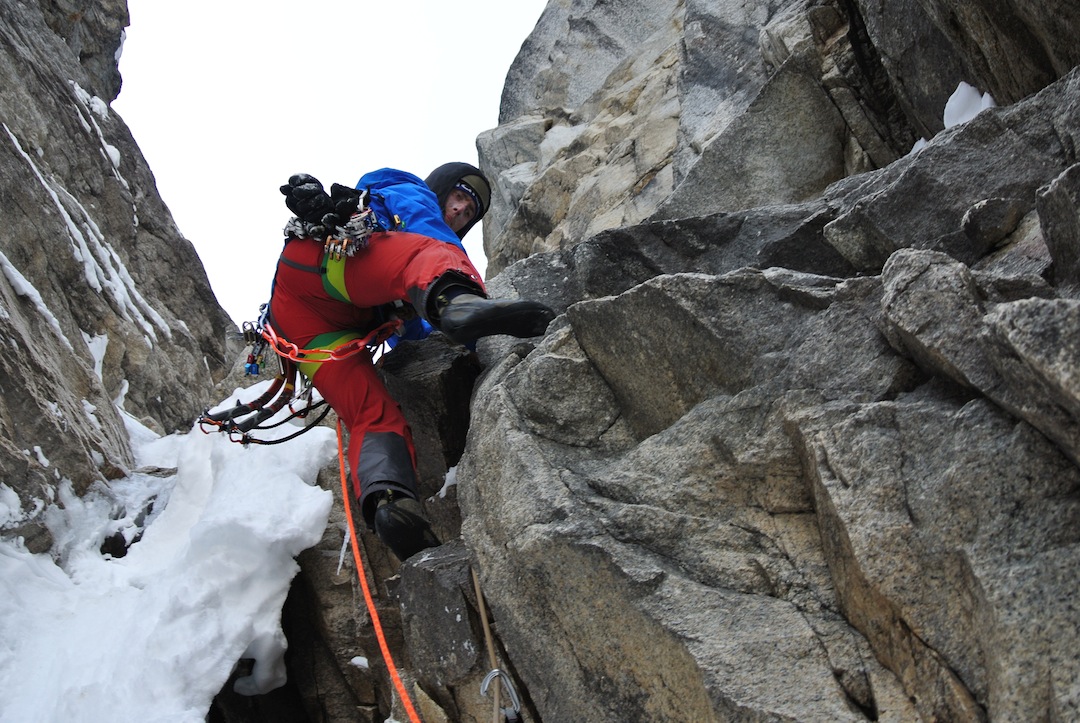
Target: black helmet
444	178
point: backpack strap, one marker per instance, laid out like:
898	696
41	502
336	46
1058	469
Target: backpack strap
333	278
332	271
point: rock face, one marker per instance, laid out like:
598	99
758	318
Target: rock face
101	300
802	443
614	111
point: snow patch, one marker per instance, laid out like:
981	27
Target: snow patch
41	458
449	481
102	267
156	633
10	506
23	287
97	346
91	413
99	108
965	103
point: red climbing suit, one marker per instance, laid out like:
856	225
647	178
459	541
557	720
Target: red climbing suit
395	266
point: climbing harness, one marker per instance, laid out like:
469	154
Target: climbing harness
406	701
499	714
329	347
298	365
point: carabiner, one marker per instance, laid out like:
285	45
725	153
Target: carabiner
510	714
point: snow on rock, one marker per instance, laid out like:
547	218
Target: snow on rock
965	103
156	633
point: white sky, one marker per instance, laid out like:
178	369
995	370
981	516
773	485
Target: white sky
228	99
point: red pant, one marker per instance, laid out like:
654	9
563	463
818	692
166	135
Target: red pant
395	266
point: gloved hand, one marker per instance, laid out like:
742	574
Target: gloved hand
346	201
305	197
343	204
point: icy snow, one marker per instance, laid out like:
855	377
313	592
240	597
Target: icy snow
97	346
155	634
23	287
965	103
41	458
102	266
10	507
91	413
449	481
100	108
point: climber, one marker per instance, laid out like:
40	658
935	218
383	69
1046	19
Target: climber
413	267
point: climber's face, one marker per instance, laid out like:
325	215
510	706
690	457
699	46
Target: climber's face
459	209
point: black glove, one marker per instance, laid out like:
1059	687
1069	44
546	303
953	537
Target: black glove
305	197
346	201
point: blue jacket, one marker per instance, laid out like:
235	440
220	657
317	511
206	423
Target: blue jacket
399	194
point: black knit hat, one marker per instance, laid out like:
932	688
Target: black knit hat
444	178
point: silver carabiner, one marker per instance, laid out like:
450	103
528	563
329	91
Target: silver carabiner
508	686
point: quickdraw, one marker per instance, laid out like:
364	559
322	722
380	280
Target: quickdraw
241	419
353	236
511	713
500	714
298	366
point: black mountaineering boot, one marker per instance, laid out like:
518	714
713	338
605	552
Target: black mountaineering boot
401	525
465	317
457	307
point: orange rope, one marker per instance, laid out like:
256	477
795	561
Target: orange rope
405	699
